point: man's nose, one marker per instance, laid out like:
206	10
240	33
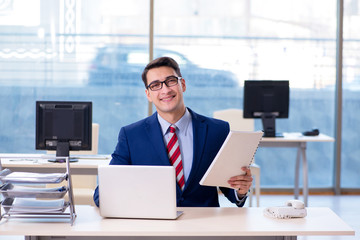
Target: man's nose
165	88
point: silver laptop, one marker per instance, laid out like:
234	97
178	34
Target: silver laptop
133	191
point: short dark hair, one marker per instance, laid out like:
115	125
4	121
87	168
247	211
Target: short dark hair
160	62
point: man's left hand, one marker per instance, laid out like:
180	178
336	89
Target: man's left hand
242	182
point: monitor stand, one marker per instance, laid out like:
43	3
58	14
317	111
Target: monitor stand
268	122
62	150
62	160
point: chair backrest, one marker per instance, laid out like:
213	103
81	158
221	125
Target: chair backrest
235	118
94	143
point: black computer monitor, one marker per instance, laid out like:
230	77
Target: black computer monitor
267	100
63	126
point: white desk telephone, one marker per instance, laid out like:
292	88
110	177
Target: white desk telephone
292	209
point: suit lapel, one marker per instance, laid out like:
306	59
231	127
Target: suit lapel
154	134
200	133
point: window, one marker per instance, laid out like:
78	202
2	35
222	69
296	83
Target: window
96	51
232	41
69	52
351	96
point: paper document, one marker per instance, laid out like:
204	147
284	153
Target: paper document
18	188
34	177
28	205
237	151
15	191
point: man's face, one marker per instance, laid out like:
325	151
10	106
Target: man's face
167	100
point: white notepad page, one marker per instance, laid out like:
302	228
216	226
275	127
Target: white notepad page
237	151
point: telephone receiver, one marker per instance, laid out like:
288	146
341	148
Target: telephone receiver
313	132
297	204
292	209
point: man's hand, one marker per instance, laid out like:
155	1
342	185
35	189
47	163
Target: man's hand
242	182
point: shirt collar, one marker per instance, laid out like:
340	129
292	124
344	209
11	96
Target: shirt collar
182	124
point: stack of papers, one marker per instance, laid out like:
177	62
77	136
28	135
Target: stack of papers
29	205
18	188
28	177
10	190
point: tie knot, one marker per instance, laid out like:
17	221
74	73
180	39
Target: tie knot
172	129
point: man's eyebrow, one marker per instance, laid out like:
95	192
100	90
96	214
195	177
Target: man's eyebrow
170	76
166	78
155	81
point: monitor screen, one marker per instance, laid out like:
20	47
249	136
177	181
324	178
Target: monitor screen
266	100
63	126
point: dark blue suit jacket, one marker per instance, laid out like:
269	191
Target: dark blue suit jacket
142	143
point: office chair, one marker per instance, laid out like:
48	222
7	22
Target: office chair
235	118
84	185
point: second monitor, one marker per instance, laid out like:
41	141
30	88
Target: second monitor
267	100
63	126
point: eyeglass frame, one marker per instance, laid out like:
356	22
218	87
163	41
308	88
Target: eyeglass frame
165	81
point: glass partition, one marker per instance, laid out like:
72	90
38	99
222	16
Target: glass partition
227	42
96	50
70	50
351	96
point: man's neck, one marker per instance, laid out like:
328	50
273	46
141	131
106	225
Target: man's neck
173	117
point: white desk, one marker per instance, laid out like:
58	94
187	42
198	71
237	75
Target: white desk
86	165
200	223
297	140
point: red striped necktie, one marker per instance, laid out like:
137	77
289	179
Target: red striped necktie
175	157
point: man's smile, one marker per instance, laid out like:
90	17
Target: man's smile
167	98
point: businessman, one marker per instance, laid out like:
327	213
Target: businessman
176	135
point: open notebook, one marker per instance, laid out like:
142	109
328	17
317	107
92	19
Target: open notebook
133	191
237	151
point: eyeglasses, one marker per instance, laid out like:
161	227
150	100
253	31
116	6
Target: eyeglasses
169	82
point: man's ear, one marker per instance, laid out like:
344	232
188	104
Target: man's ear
147	92
183	84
